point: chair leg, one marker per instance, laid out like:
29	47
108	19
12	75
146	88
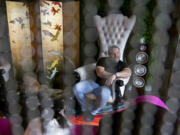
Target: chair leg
118	95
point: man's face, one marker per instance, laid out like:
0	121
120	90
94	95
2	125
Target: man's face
115	54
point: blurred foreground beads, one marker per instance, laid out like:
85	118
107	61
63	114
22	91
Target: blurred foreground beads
47	114
32	102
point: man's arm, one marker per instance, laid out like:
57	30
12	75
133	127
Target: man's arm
100	71
126	72
104	74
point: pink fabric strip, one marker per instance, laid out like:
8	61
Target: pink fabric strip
150	99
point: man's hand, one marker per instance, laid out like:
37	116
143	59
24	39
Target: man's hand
110	80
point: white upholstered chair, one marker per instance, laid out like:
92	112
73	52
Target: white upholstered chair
113	29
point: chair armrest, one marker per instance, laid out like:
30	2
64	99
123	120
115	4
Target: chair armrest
125	80
86	72
122	88
77	76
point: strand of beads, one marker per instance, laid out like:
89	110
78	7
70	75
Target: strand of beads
112	8
46	104
14	107
174	94
169	118
90	32
128	116
158	55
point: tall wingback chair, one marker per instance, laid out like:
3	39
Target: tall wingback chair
113	29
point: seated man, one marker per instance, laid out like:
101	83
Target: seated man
108	69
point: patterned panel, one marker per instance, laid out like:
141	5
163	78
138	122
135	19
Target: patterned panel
20	36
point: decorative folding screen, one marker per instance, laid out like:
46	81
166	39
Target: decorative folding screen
21	32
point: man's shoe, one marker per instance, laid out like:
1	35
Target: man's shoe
88	116
78	113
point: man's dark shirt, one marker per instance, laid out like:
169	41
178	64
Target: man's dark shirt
110	65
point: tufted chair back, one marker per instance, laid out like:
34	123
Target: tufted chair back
113	30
